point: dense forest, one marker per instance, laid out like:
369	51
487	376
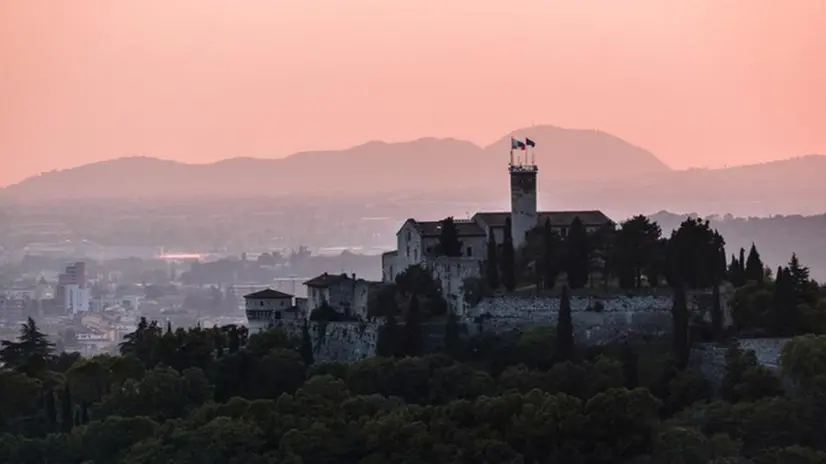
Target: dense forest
220	395
217	396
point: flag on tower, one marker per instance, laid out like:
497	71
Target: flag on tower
517	144
529	142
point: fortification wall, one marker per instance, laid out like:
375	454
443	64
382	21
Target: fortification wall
596	320
710	358
338	341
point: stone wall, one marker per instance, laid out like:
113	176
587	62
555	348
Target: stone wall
596	319
710	358
338	341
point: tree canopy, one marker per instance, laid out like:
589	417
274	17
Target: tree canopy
216	395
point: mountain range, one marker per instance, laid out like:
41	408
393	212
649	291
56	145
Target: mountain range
577	169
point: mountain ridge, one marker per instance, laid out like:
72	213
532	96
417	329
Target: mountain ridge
578	168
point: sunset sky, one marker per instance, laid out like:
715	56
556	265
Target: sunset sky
697	82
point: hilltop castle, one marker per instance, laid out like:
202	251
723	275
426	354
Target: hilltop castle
417	241
417	244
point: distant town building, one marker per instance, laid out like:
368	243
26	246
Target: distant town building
73	277
75	299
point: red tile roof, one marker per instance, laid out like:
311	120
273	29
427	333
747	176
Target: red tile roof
325	280
558	218
268	294
464	228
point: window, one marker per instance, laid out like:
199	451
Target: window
470	251
415	255
408	235
428	249
261	303
408	251
278	315
563	232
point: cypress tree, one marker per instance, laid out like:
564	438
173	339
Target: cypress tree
387	343
449	243
577	262
66	415
492	264
413	328
388	335
722	266
780	302
549	268
84	413
564	349
799	281
742	265
755	270
452	340
218	339
508	258
306	345
51	412
716	313
630	368
234	339
679	315
735	273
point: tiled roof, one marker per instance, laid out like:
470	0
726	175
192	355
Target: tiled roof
268	294
558	218
325	280
464	228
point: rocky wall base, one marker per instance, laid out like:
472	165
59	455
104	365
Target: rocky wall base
338	341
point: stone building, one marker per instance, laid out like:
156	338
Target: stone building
346	294
417	240
265	307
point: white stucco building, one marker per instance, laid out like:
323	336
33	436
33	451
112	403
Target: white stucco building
265	307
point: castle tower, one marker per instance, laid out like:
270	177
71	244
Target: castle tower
523	192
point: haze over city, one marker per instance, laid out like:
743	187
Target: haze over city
701	83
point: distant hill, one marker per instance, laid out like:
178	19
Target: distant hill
578	169
792	186
421	165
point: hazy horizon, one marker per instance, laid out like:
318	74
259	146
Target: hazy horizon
699	84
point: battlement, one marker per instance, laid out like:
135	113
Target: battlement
523	168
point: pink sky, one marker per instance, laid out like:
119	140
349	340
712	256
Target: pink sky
699	83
